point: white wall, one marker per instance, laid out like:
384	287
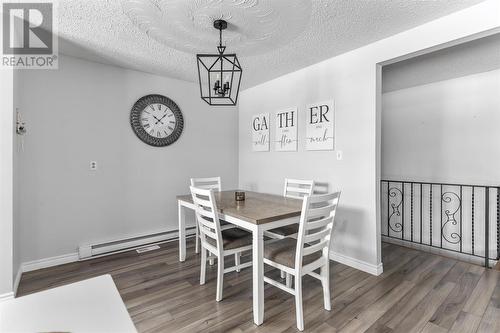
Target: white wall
445	131
352	79
6	181
80	113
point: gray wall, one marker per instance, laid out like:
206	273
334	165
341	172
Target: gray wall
440	115
6	181
80	113
477	56
444	131
17	140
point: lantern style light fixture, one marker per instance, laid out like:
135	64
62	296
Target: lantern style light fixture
219	74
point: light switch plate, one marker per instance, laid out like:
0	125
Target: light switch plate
339	154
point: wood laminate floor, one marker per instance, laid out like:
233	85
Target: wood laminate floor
418	292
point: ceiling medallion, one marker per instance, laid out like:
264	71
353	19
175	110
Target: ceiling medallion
219	74
255	26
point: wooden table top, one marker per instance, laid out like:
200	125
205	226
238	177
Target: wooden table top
258	208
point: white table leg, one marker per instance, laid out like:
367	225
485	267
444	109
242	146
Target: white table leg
258	276
182	232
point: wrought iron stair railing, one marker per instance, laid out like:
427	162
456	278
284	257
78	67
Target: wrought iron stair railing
457	218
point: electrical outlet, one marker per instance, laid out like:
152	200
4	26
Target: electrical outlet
93	165
339	155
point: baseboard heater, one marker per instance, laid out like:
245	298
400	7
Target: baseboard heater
88	251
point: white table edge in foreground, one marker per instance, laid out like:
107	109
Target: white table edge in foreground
92	305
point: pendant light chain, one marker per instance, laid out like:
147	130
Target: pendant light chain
220	36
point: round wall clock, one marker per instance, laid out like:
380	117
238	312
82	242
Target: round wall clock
156	120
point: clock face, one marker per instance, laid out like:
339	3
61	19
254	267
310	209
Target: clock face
156	120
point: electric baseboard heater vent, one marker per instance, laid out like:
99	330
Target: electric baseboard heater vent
88	251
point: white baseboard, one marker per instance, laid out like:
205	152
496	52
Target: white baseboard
18	279
356	263
6	296
49	262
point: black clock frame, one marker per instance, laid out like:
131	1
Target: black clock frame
135	120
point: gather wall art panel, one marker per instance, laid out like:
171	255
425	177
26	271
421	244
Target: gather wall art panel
260	132
285	138
320	127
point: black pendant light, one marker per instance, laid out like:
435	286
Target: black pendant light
219	74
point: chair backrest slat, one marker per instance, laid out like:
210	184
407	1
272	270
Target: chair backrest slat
315	248
207	216
320	223
204	222
316	225
312	237
321	212
211	183
204	203
297	189
208	232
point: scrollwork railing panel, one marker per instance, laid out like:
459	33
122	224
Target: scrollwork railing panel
395	204
451	205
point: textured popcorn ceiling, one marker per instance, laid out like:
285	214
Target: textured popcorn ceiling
272	37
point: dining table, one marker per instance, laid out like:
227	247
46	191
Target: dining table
258	213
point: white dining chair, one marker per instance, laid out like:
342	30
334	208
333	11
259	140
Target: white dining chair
213	183
309	252
210	183
296	189
218	243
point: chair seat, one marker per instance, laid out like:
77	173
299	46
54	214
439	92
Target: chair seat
282	251
286	231
233	239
